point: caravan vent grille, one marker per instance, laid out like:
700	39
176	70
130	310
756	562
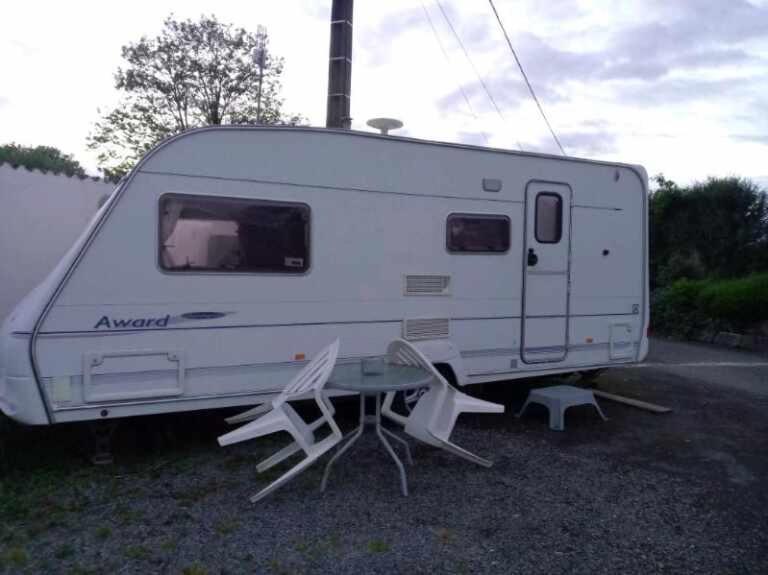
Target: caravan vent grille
414	329
427	285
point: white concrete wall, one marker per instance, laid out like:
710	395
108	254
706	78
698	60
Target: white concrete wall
41	215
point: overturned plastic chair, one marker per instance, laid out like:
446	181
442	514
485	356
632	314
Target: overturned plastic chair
278	415
435	413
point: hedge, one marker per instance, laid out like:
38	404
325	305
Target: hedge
691	306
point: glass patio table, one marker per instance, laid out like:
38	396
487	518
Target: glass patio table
384	378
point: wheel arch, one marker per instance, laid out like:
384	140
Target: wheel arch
444	354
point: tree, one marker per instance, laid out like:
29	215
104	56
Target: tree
193	74
716	228
44	158
731	216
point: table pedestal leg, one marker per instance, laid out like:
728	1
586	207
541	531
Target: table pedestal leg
400	440
355	434
388	447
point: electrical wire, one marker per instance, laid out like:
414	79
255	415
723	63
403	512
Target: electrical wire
448	60
472	64
525	77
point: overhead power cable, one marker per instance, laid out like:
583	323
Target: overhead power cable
448	60
525	77
472	64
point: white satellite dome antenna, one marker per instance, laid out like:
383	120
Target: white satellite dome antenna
384	125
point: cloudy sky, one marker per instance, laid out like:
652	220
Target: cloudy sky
678	86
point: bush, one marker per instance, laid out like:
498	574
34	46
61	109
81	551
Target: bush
675	309
680	266
688	307
739	303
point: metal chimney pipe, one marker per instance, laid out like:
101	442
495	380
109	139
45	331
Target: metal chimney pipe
340	66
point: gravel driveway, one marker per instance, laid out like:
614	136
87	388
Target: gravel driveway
684	492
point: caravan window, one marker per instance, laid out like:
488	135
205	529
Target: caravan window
549	218
207	234
476	233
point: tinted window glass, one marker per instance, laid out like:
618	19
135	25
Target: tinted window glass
477	233
549	218
199	233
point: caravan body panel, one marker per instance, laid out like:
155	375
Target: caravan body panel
158	310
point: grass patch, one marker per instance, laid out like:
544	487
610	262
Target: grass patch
378	546
126	515
80	570
169	545
65	551
136	552
14	557
227	526
317	549
277	568
194	569
103	533
196	493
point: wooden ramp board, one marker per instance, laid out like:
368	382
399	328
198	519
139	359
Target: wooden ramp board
633	402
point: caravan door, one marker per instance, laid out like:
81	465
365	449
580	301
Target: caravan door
546	272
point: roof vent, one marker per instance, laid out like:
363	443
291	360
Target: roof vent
384	125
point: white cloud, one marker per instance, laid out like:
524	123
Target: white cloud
674	86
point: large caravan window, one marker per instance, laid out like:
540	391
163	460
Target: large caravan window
549	218
201	233
476	233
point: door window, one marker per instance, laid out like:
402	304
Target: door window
549	218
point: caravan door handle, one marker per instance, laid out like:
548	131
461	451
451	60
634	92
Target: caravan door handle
533	259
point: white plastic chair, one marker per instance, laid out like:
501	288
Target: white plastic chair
435	414
280	416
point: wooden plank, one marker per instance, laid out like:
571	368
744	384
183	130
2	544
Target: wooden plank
633	402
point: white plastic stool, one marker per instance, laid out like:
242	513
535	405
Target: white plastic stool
557	399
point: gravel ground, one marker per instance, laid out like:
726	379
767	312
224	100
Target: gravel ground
684	492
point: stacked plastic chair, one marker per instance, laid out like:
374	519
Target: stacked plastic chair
434	416
278	415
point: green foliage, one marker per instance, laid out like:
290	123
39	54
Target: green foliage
675	309
681	265
687	307
13	557
64	551
378	546
718	228
739	303
136	552
44	158
193	74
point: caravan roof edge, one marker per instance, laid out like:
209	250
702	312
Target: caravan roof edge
636	168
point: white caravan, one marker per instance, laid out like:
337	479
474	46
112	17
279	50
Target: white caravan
230	255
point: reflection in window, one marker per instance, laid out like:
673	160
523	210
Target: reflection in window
549	218
477	233
202	233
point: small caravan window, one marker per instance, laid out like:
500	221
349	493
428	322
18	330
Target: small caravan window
207	234
549	218
476	233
